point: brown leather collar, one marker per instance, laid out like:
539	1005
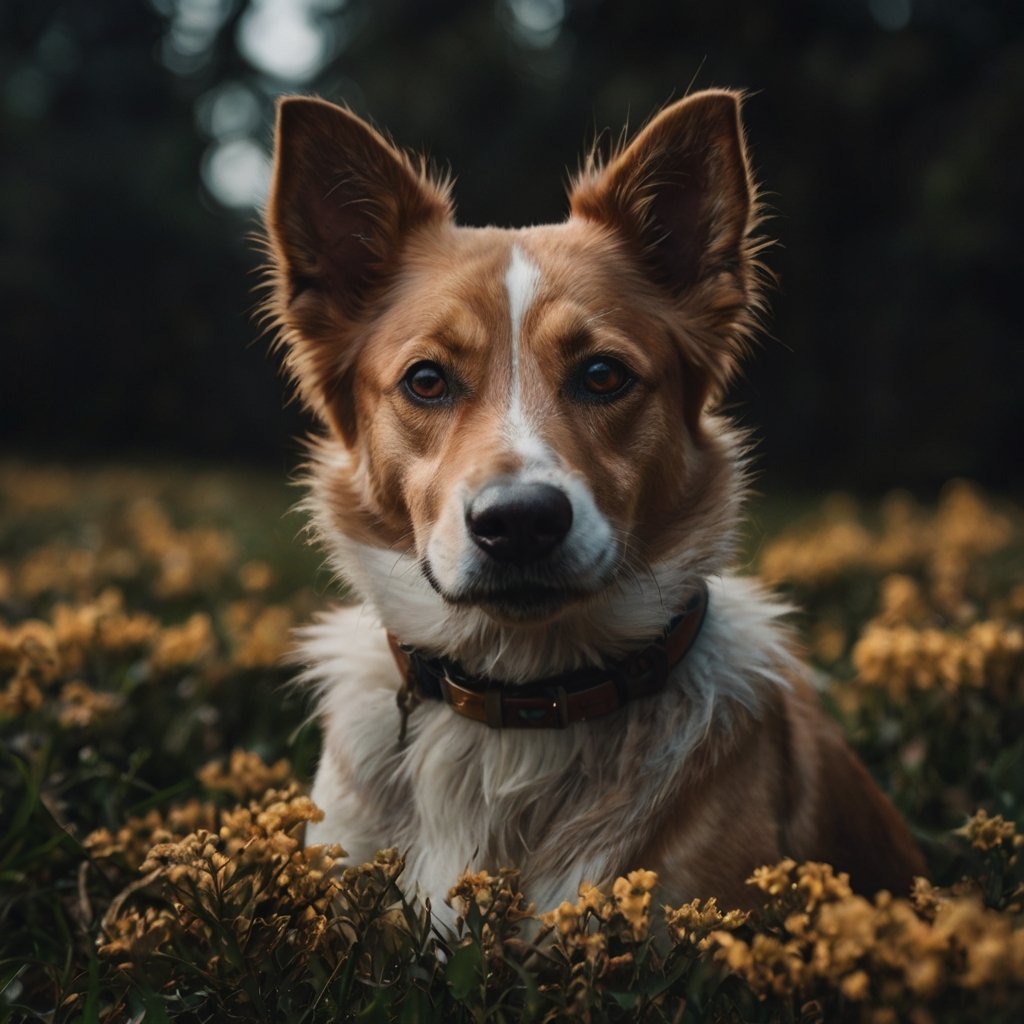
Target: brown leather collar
556	701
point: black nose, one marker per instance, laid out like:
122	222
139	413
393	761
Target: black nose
519	523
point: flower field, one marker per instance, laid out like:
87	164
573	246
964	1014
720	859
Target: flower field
154	762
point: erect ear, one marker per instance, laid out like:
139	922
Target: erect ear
681	196
680	191
342	204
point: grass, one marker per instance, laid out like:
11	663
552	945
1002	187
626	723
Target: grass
154	760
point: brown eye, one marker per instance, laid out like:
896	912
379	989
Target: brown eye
426	382
601	378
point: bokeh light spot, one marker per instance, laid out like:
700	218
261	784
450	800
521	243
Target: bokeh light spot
237	172
893	15
285	38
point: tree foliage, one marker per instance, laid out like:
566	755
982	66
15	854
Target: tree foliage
885	132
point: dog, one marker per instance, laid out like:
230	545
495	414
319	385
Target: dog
525	476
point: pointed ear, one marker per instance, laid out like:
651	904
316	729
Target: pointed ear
680	192
342	204
682	198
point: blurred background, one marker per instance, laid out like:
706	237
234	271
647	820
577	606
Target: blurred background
887	133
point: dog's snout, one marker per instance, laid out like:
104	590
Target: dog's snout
519	522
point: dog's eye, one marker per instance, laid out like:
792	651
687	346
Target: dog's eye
601	378
426	382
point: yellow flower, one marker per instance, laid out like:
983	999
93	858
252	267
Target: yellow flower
180	646
846	932
632	896
595	947
985	833
80	704
247	776
260	636
773	967
693	922
564	919
818	883
901	600
255	576
855	986
775	879
591	898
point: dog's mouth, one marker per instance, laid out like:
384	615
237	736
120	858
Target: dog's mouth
518	599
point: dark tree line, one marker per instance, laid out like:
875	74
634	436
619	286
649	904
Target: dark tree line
887	134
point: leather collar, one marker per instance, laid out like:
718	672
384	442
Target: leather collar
554	702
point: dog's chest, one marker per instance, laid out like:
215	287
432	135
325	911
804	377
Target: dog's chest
563	806
457	795
484	799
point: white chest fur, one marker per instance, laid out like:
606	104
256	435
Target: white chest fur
562	805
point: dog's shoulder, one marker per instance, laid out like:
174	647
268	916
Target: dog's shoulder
773	777
836	811
831	809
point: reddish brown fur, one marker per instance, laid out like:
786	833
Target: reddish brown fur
783	785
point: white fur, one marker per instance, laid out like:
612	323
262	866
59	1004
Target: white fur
522	280
589	551
461	795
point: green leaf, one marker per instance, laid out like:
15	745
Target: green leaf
156	1012
627	1000
377	1011
415	1007
465	970
90	1013
657	984
531	993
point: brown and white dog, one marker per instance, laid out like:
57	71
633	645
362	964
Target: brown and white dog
524	478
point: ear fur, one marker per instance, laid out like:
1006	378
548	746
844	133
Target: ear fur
342	203
682	197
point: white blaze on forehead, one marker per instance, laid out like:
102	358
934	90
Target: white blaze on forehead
521	281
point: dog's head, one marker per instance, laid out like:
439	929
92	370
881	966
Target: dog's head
522	417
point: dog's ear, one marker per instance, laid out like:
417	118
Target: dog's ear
342	204
681	196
